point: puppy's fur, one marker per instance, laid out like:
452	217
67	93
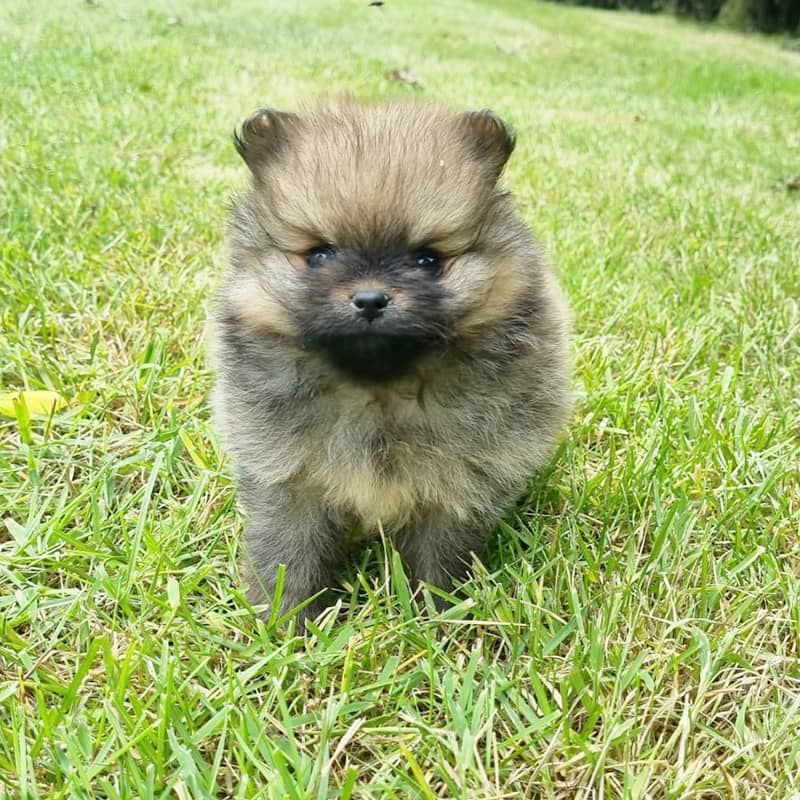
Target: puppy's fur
425	421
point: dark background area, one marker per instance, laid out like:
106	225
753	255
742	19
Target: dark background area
766	16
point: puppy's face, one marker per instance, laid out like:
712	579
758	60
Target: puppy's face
364	236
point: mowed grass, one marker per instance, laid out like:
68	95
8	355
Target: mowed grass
633	631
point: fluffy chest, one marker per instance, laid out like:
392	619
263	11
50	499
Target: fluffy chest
381	458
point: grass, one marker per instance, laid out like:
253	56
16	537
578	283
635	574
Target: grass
634	631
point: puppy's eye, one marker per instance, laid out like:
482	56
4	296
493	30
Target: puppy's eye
427	259
320	255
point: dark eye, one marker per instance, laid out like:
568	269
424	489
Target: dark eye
319	255
427	259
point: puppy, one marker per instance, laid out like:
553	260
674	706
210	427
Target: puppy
391	349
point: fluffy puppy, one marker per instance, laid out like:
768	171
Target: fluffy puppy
391	348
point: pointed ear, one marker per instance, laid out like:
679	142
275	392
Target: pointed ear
262	135
492	139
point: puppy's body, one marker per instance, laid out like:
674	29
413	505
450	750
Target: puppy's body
425	417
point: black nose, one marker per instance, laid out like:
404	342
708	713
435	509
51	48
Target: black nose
370	303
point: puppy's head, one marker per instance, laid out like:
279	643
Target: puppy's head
366	233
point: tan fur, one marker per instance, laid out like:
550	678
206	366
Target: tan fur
340	154
493	300
256	307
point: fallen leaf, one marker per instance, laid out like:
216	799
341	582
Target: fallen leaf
37	402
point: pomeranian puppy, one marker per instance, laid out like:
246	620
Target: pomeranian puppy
391	348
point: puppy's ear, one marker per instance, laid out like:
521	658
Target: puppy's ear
262	135
492	138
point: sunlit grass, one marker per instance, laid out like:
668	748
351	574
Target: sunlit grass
634	629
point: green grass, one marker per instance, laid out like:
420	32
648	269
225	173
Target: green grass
635	631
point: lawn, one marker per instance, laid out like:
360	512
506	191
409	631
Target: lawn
634	630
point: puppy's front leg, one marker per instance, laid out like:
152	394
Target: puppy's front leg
438	548
285	527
